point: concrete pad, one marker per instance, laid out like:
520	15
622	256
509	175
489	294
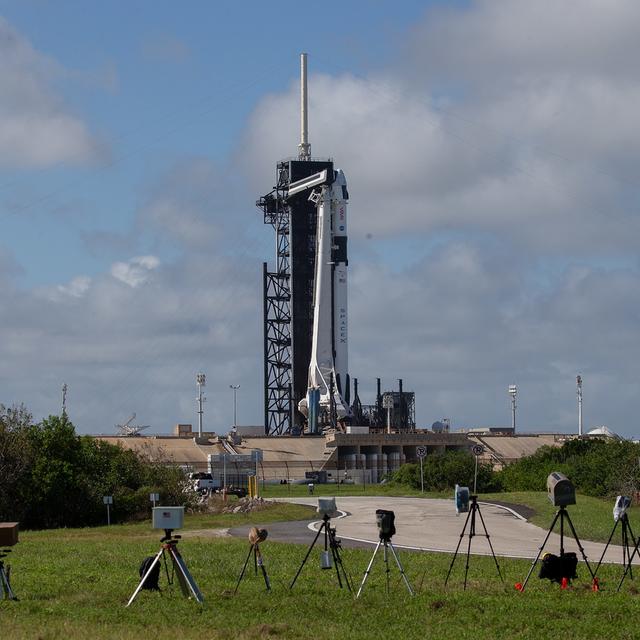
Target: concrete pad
432	525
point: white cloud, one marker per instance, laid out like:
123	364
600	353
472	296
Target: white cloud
529	134
76	288
136	271
36	129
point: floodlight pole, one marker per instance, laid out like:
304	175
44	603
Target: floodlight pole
200	382
235	388
513	392
579	394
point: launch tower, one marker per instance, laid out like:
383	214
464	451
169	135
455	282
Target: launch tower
288	305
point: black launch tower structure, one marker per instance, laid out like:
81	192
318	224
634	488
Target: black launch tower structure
288	295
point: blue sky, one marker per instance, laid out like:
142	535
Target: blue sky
157	84
490	150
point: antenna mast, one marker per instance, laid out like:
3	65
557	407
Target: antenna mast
304	148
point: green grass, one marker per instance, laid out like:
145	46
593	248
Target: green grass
75	583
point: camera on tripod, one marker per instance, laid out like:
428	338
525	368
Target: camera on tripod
560	490
620	507
386	524
327	507
168	519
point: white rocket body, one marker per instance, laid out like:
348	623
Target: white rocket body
329	349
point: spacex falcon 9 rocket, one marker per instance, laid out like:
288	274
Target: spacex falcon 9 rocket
328	379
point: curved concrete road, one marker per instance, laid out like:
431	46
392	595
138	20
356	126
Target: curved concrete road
432	525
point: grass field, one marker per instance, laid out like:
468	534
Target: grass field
75	584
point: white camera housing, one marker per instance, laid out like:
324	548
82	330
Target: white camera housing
327	507
168	517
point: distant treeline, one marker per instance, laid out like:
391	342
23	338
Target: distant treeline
596	466
51	477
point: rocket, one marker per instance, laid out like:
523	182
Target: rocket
328	367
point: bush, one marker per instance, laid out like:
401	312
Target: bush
56	478
443	471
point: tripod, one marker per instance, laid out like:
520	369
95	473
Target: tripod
626	553
257	562
386	541
332	543
5	577
471	516
635	550
563	514
169	547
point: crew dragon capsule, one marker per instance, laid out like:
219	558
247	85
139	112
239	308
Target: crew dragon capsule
328	367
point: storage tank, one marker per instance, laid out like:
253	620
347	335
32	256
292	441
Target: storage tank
393	461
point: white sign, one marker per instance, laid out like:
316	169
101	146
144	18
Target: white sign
421	451
387	402
107	500
154	497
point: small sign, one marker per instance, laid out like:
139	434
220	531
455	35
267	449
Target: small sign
387	402
107	500
477	449
154	497
421	451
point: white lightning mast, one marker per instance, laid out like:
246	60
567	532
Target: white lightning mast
304	148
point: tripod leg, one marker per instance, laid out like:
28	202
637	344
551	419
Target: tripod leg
244	568
606	546
575	537
486	533
320	530
144	577
472	532
335	551
533	564
368	569
260	563
187	583
455	553
5	585
401	568
626	554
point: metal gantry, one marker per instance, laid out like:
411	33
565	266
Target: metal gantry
276	287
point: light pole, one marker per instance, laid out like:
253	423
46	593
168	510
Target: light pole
513	392
579	393
201	380
235	388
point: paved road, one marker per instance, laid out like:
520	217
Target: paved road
432	525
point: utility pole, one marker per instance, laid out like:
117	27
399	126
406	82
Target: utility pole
579	394
513	392
235	388
200	382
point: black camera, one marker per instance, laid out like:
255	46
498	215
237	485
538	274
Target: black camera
386	523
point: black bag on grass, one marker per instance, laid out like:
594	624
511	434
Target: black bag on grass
152	579
555	567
